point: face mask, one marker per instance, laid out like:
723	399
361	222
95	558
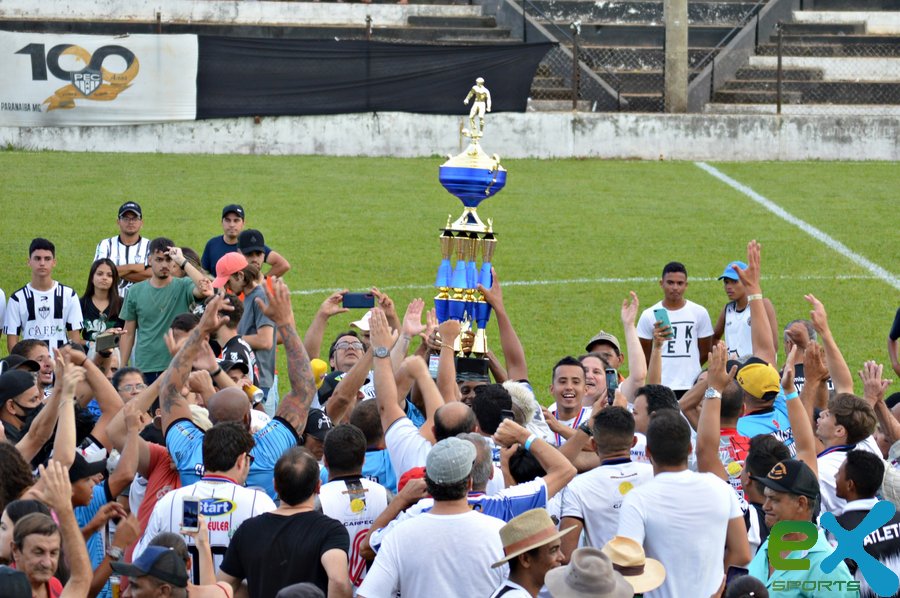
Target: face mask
29	412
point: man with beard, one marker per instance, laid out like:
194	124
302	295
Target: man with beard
151	305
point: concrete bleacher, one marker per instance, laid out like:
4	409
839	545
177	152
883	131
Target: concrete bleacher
623	42
833	62
424	21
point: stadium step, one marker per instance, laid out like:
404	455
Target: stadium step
558	105
615	58
823	92
636	11
639	35
644	102
868	50
452	22
793	74
746	96
823	28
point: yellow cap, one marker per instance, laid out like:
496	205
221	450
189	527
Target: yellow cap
319	369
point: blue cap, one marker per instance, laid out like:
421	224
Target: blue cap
156	561
730	272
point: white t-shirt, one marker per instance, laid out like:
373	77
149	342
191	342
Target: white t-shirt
439	555
510	589
737	332
595	497
225	505
639	450
43	315
406	447
584	415
356	502
680	355
681	518
828	465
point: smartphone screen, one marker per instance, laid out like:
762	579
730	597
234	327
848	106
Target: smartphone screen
612	383
190	515
433	361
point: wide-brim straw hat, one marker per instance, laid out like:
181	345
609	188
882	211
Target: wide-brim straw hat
526	532
589	574
628	558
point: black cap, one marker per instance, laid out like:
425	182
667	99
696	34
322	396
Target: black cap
160	562
15	362
82	468
791	476
227	366
251	241
233	207
13	583
318	424
130	206
13	383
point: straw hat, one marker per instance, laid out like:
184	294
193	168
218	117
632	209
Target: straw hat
589	574
628	558
528	531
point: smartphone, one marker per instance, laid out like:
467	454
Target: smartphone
107	341
733	573
433	362
612	383
662	315
190	514
507	414
358	300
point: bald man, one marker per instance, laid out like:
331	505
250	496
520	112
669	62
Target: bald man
185	440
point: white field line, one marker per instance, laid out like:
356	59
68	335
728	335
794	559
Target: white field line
832	243
588	281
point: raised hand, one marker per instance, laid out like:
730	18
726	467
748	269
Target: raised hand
718	376
380	333
385	302
874	386
630	309
56	487
279	308
750	277
787	374
817	314
493	295
333	305
814	368
215	315
412	319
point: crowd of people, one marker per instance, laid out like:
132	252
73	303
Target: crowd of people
148	452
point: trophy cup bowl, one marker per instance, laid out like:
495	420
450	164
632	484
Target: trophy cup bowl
471	185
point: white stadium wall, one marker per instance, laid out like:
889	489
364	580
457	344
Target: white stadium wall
512	135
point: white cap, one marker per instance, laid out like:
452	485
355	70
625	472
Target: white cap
363	322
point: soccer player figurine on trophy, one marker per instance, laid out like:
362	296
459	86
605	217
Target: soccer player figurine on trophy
472	176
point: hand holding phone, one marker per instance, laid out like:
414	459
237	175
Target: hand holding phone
190	514
612	383
662	315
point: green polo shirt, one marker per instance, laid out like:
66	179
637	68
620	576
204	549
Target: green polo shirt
784	584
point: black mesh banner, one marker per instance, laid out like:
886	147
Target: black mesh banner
276	77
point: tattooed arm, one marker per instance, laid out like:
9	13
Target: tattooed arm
294	407
172	404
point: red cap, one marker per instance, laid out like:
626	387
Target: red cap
416	473
228	264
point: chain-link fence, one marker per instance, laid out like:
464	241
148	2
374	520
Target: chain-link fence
818	68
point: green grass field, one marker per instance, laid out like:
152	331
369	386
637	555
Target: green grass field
358	222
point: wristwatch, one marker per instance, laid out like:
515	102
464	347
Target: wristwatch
585	427
115	553
381	352
712	393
